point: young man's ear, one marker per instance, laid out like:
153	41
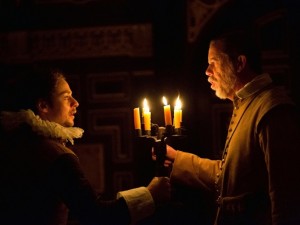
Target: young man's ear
241	63
42	106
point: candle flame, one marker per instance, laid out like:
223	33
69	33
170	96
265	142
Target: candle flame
178	103
146	107
164	100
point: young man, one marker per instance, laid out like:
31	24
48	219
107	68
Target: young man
255	182
41	178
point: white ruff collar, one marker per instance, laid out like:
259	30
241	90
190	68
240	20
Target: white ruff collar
12	120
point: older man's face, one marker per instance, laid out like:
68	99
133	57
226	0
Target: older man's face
221	72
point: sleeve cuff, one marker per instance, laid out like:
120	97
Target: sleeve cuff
139	201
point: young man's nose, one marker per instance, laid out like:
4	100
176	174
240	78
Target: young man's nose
75	102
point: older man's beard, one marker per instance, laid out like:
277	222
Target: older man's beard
227	83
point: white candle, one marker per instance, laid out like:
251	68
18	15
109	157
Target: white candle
147	116
137	118
167	112
177	113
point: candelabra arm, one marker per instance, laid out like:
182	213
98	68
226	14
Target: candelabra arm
160	152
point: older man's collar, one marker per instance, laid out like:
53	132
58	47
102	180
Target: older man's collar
254	86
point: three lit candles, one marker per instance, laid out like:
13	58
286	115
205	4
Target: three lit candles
146	114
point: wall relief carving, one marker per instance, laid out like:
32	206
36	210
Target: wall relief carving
122	40
199	12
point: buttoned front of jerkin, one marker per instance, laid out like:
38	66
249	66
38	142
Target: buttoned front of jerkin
239	148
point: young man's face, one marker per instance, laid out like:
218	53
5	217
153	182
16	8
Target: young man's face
63	107
221	72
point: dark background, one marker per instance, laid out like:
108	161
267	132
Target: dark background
109	84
